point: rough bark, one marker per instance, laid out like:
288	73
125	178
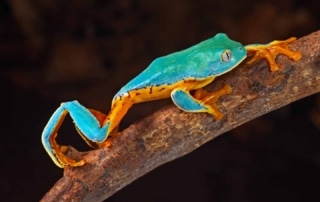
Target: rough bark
171	133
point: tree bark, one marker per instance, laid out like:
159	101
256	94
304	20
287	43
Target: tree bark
171	133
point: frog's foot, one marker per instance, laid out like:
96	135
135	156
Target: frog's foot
271	50
201	101
212	97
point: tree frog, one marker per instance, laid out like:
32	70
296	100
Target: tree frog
180	75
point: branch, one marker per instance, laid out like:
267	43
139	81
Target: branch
171	133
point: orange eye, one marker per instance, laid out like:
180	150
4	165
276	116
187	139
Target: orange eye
226	55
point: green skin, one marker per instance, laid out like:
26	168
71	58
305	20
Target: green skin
200	61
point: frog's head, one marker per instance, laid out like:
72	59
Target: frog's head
226	54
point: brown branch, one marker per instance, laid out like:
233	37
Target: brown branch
171	133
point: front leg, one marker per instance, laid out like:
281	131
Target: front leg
271	50
90	124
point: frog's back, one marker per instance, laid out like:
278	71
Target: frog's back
199	62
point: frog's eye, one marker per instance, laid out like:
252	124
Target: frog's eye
226	55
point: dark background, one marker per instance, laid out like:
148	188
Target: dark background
53	51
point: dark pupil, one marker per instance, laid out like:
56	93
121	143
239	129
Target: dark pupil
228	55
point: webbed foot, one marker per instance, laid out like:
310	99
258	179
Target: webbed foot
271	50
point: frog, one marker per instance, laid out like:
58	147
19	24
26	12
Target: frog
180	76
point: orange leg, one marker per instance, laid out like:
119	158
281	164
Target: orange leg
271	50
210	98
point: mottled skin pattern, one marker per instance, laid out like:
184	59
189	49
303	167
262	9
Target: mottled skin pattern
174	76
